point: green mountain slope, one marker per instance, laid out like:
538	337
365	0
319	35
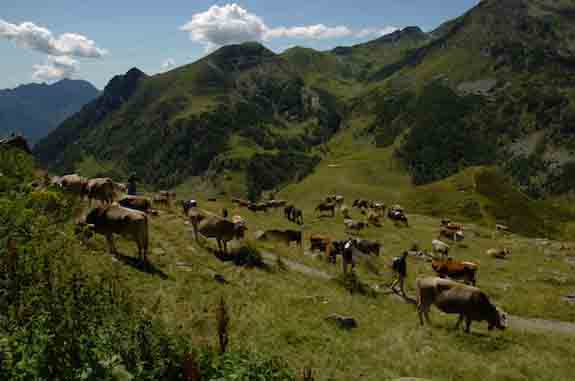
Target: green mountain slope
186	122
492	87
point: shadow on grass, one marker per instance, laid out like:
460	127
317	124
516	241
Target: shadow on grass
135	263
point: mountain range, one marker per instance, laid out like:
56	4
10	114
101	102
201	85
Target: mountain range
494	86
34	110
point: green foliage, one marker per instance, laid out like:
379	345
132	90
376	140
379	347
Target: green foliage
244	366
16	168
440	141
249	256
392	117
266	171
58	322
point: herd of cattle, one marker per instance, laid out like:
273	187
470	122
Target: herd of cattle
127	216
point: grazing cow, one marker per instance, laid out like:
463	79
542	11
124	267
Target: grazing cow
73	184
345	212
259	207
453	226
101	189
222	230
319	242
354	225
274	204
379	208
187	205
285	236
114	219
373	218
139	203
161	200
440	247
397	215
470	303
170	195
362	204
460	270
454	235
325	207
367	247
499	253
335	199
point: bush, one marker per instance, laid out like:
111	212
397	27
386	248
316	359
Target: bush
248	256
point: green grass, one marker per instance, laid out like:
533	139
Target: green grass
282	312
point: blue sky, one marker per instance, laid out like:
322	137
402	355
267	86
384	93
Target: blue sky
103	38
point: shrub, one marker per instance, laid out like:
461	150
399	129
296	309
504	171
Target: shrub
249	256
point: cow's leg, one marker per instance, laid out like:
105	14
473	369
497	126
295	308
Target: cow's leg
225	247
467	324
111	245
459	320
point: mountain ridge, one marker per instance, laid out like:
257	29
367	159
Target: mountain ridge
492	78
36	109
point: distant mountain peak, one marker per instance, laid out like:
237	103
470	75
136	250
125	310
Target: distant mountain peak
410	32
240	56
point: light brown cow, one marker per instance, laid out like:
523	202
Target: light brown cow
101	189
285	236
114	219
73	184
139	203
222	230
470	303
499	253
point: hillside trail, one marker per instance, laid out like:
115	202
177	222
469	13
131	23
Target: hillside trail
515	322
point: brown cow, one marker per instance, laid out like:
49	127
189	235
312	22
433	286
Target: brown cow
367	247
114	219
139	203
285	236
454	235
470	303
73	184
101	189
463	270
319	242
326	207
258	207
222	230
499	253
354	225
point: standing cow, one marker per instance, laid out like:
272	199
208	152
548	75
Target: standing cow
114	219
222	230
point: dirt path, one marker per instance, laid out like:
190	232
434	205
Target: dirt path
515	322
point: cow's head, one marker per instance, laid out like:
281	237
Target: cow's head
240	229
498	320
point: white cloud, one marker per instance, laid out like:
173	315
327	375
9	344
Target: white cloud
29	35
55	68
232	24
375	32
311	32
168	64
224	25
